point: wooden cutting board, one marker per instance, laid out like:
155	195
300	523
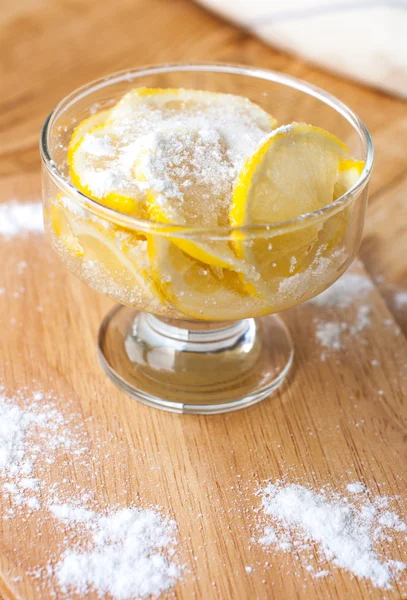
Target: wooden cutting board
337	420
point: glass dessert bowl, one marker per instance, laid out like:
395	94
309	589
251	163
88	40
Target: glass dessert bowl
174	191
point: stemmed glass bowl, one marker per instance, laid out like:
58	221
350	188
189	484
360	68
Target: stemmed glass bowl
186	337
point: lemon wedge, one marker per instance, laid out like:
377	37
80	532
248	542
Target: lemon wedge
296	170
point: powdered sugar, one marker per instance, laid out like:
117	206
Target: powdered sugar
13	425
129	551
17	218
72	514
190	165
346	534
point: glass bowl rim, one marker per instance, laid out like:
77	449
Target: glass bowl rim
149	226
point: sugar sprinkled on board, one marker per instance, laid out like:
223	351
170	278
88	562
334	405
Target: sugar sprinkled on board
329	333
23	431
344	293
20	217
346	534
125	552
400	299
13	425
130	555
69	514
356	488
362	319
350	287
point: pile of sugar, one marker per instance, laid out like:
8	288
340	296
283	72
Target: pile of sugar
346	534
187	169
129	558
131	551
17	218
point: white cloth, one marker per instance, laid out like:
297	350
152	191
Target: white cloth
361	39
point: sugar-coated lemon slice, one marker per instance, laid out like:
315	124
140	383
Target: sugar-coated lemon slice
84	127
195	289
349	172
60	222
298	169
96	171
122	259
186	168
122	253
293	172
177	192
186	101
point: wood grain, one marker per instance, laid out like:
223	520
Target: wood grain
329	424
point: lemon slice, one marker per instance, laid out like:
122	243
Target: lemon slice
124	257
186	102
96	170
61	225
100	158
334	228
214	253
349	172
84	127
184	186
298	169
293	172
194	289
122	253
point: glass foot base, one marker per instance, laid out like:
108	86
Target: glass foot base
194	367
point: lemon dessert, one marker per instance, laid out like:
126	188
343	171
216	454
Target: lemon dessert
190	188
